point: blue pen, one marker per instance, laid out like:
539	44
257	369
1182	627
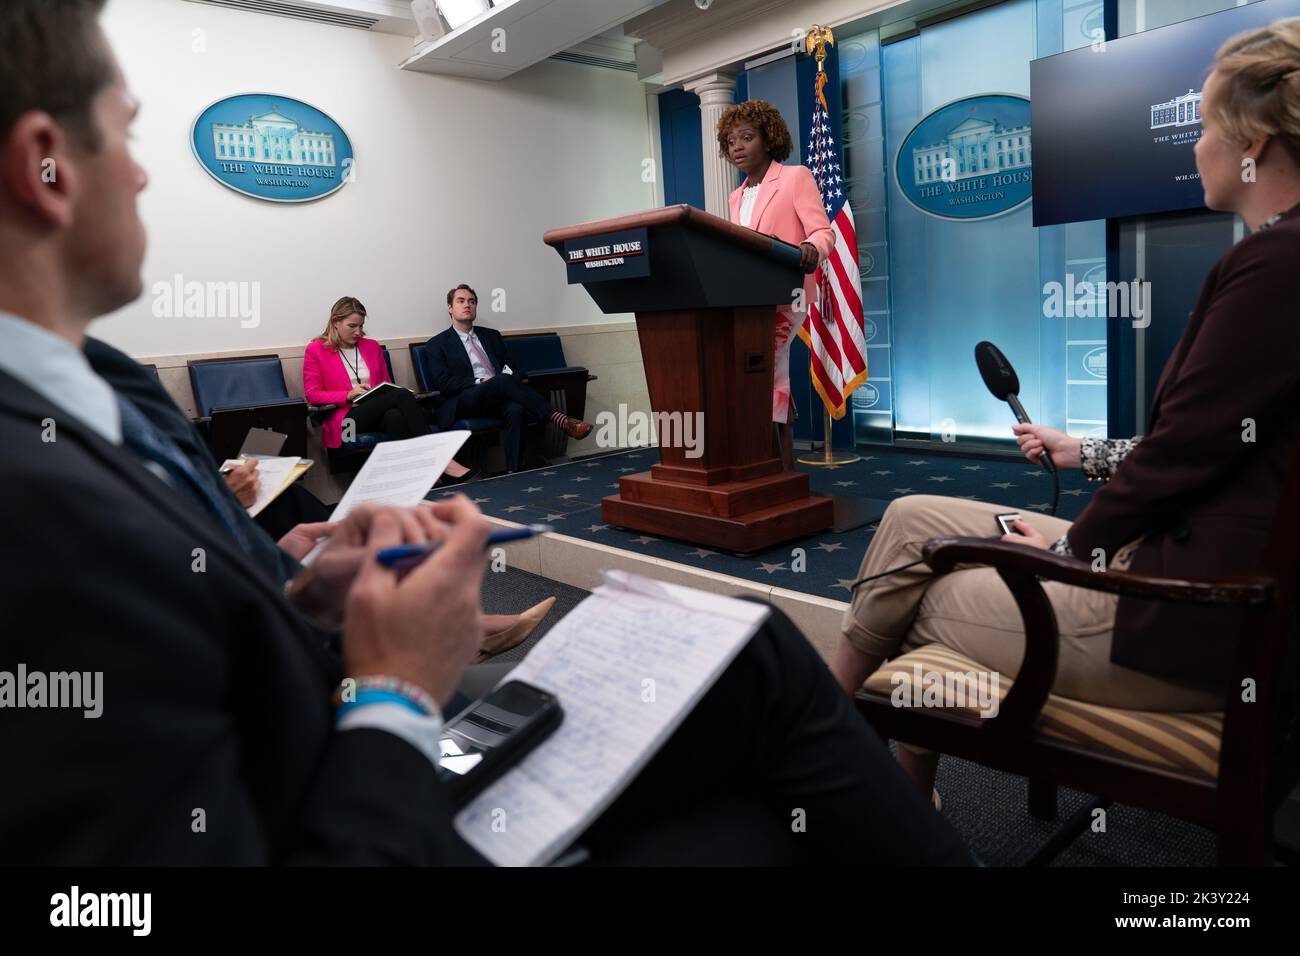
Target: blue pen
407	556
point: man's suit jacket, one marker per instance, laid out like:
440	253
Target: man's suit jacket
1204	483
131	380
214	693
789	206
450	372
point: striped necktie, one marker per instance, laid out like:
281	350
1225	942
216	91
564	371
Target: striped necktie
150	444
481	356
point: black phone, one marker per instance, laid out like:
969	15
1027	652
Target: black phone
492	735
1004	522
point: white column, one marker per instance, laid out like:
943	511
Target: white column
716	91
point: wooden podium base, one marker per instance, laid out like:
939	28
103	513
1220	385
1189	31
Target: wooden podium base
740	516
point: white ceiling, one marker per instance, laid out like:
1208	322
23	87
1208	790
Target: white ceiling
584	31
381	16
531	30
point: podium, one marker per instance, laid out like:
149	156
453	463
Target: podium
705	293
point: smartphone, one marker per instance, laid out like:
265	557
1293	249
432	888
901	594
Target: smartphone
491	736
1004	522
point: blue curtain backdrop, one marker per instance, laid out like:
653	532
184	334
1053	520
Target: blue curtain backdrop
954	283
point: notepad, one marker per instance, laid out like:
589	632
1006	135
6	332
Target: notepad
397	474
378	390
275	473
628	664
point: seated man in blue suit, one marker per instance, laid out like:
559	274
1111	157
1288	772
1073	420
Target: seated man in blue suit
470	367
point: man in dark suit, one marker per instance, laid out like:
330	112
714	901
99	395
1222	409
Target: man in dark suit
470	367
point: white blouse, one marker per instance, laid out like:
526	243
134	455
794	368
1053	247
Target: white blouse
358	371
747	199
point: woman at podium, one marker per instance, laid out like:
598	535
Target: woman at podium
781	201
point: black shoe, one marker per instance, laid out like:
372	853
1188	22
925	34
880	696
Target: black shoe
446	481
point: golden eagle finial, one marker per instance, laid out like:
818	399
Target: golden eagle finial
816	41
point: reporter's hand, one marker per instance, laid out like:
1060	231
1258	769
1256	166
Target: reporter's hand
301	538
808	257
357	391
423	627
320	592
1026	535
1034	438
244	482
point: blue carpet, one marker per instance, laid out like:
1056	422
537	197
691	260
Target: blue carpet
568	497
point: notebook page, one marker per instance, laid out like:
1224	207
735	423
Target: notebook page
400	473
397	474
627	668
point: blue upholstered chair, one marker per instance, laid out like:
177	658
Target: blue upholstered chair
233	395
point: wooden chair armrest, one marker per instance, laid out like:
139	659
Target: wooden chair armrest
943	554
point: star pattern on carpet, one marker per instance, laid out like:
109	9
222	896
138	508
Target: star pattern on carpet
528	497
582	478
940	478
921	462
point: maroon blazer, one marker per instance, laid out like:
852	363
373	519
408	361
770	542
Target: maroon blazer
1201	494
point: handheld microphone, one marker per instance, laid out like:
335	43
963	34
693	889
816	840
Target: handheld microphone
1002	381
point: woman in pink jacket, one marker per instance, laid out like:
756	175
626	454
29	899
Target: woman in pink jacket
341	364
781	201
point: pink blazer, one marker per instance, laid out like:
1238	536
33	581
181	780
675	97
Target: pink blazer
325	381
789	206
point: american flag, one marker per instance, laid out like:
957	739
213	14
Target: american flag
833	328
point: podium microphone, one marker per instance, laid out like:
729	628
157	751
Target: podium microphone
1002	381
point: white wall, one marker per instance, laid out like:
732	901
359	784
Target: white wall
456	180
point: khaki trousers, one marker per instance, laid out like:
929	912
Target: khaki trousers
972	612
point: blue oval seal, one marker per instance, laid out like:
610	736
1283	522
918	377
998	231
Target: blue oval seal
1094	362
968	160
272	147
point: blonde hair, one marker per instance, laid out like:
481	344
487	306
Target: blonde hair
1259	85
340	311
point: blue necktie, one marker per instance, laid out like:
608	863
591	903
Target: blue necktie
153	445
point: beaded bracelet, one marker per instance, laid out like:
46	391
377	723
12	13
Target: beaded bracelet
391	688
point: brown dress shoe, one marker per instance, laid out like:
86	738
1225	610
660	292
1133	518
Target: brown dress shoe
575	428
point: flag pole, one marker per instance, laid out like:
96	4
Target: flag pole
817	39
